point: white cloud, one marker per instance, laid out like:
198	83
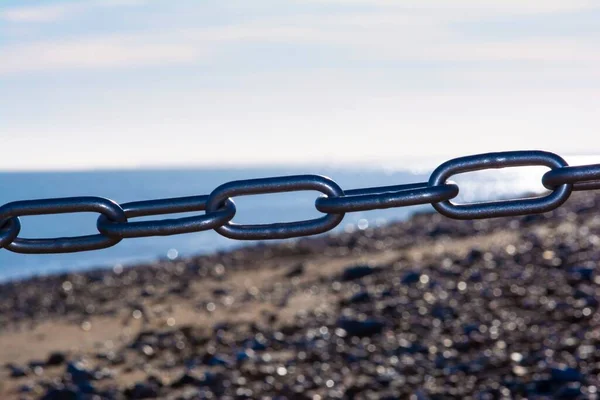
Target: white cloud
35	14
56	12
100	52
367	37
466	7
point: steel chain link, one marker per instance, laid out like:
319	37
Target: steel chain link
113	224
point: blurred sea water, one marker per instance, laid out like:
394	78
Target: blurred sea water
130	185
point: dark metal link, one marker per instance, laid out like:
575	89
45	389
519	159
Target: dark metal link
583	177
276	185
11	211
9	231
166	226
500	208
386	197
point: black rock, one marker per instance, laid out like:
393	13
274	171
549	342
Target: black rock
357	272
61	394
242	356
146	337
570	391
256	345
213	380
412	348
566	374
360	297
16	371
368	327
78	373
581	274
439	231
410	278
27	388
187	379
221	326
155	380
420	394
442	312
473	257
220	292
142	391
297	270
86	387
213	360
353	391
470	328
530	219
476	276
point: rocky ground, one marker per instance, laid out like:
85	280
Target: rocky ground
430	308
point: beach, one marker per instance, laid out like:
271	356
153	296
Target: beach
427	308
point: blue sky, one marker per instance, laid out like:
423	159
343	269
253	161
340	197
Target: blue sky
128	83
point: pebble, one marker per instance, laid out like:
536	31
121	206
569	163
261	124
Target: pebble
360	297
566	374
62	394
78	372
187	379
56	358
367	327
570	391
582	274
357	272
410	278
297	270
17	371
142	390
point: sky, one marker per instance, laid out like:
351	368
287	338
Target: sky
140	83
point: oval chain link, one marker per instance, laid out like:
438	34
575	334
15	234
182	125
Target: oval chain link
283	230
503	208
585	177
14	210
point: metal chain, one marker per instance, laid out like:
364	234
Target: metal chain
219	209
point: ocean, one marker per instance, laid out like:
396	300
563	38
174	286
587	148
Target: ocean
130	185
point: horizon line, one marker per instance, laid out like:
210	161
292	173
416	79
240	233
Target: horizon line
422	165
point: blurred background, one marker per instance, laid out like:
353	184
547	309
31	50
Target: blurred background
136	99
